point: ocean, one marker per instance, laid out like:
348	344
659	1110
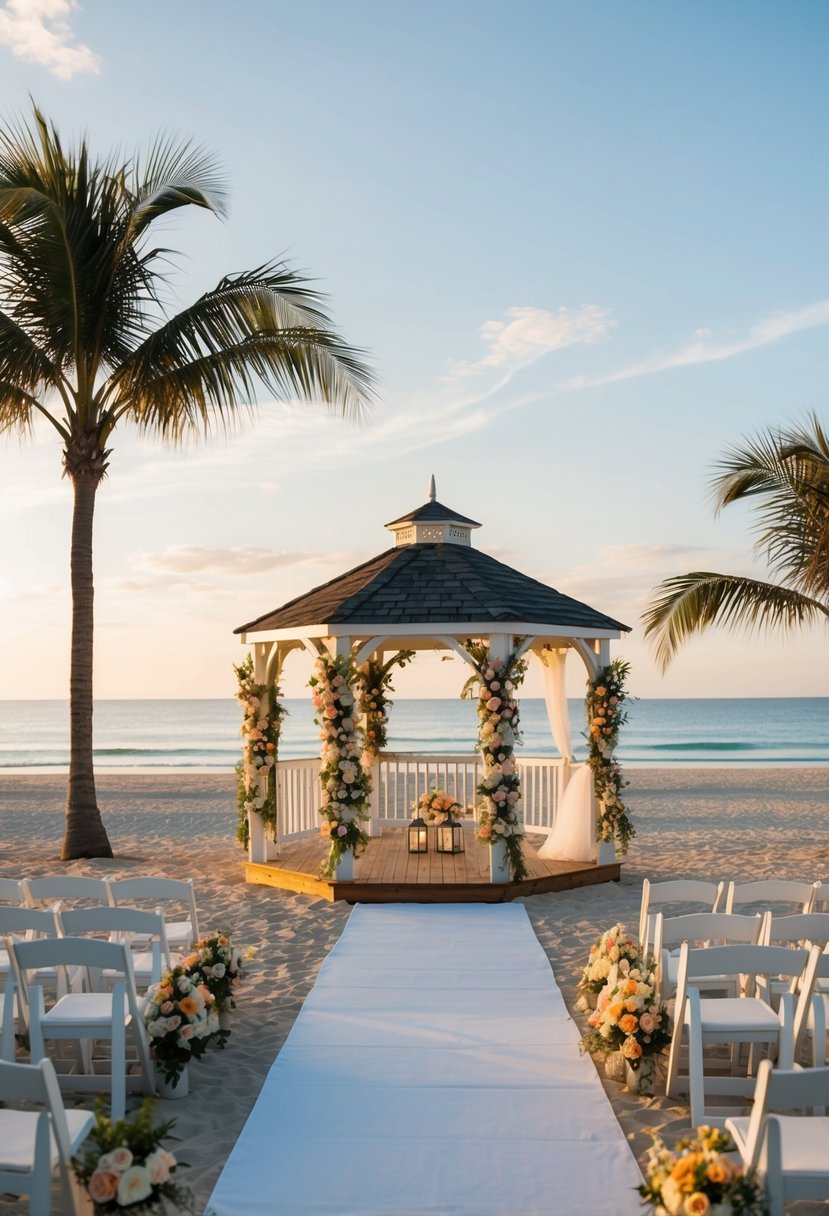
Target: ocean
203	735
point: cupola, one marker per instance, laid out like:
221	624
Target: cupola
432	524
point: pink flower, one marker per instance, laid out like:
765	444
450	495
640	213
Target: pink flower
102	1186
117	1161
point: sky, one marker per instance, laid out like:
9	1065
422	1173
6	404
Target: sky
584	248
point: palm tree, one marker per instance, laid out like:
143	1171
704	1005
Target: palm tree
784	476
86	344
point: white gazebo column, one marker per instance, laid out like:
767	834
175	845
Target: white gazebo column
340	647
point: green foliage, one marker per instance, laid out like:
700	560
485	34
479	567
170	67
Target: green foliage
499	791
261	727
143	1141
605	715
375	685
783	475
345	783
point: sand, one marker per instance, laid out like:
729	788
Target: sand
735	823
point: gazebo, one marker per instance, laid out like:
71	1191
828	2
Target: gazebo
432	590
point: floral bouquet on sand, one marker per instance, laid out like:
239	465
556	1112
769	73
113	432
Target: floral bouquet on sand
437	804
123	1165
629	1016
220	965
181	1018
697	1179
607	952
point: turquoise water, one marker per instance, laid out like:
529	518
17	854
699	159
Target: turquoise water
203	735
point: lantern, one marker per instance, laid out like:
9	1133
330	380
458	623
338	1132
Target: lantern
449	836
418	836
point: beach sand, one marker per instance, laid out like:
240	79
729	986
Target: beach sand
736	823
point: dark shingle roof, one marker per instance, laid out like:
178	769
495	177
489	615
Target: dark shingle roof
434	511
418	584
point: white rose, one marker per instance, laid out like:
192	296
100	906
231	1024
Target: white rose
157	1167
133	1186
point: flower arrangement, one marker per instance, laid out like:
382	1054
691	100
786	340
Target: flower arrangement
608	950
605	715
220	965
124	1165
629	1015
345	783
181	1018
500	789
262	715
437	804
698	1178
375	686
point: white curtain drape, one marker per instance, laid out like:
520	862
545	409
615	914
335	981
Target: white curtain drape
555	697
573	836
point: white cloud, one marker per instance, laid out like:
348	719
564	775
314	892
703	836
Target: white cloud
38	31
763	333
530	333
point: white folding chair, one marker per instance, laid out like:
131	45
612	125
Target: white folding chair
33	1143
798	929
8	1026
816	1031
25	924
126	925
680	891
745	1019
799	895
789	1151
72	888
93	1014
821	899
181	932
697	928
11	891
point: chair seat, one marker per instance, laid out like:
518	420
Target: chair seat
90	1008
729	1014
17	1137
804	1141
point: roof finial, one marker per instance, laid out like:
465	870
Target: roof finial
432	490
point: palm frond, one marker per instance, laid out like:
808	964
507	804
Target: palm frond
175	175
690	603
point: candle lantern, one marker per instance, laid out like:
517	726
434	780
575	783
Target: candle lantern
418	836
449	836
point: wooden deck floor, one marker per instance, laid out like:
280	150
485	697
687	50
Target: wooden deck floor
388	873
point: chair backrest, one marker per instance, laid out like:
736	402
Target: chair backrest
88	953
724	928
8	1026
157	891
801	927
117	924
11	891
771	890
675	891
782	1089
821	898
74	887
33	922
38	1084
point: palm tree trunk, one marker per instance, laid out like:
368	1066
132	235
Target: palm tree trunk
85	832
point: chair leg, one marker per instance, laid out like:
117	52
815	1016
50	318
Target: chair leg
37	1049
696	1074
40	1196
119	1052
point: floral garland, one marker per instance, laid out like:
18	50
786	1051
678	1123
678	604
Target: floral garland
605	715
261	724
375	686
499	791
345	783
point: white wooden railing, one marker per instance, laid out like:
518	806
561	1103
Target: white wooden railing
399	778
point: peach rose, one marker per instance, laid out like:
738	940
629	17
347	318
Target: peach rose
102	1186
696	1204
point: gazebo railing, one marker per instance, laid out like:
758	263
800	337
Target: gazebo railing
399	778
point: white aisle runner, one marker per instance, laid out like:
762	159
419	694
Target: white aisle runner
433	1071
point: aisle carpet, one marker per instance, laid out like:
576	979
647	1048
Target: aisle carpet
433	1071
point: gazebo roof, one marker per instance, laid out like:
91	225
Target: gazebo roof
420	584
433	511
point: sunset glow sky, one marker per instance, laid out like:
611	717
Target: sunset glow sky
583	245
